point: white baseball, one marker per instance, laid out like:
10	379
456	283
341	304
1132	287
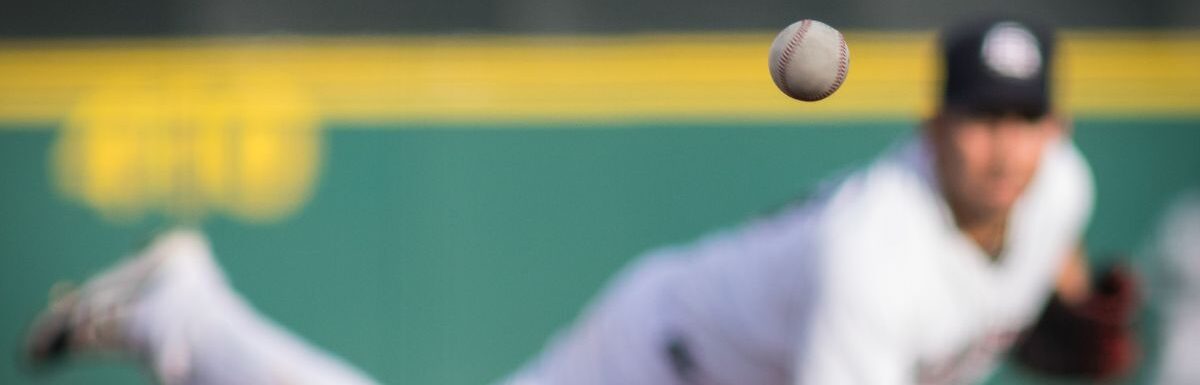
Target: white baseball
809	60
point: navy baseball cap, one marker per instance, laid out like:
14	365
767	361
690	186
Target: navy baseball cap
998	65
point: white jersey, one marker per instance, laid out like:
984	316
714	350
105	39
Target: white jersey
871	282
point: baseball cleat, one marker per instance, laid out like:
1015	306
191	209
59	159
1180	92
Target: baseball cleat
94	318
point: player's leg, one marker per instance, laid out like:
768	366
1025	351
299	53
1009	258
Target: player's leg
171	308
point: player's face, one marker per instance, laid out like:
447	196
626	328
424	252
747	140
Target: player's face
985	161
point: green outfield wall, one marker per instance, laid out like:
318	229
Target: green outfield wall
443	254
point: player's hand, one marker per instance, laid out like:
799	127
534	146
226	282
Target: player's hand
1092	338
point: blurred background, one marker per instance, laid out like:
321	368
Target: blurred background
431	188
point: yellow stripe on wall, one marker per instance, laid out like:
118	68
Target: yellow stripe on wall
195	127
468	78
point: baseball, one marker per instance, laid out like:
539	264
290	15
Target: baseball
809	60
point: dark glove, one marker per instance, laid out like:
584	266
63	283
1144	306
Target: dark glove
1093	339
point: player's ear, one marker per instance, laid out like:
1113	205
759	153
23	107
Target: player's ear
934	123
939	126
1057	124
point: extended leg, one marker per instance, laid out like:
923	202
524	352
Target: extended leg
171	308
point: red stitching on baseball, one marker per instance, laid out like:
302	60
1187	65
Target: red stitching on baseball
843	68
786	57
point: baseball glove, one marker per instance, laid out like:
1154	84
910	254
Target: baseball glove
1092	339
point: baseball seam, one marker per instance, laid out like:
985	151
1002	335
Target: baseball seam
843	67
786	57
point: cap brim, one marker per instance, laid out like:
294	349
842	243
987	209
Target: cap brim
1024	99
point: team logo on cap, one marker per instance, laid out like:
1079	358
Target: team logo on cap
1010	50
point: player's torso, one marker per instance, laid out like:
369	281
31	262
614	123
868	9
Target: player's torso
975	305
745	295
970	307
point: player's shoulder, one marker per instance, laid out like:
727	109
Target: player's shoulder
893	192
1063	185
881	216
874	233
1066	170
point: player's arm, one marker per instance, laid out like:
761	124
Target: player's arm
1074	279
1086	328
